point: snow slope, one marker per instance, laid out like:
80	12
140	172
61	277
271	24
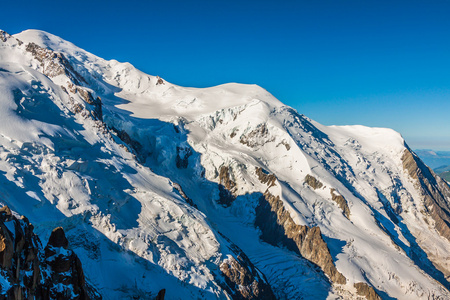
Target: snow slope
162	188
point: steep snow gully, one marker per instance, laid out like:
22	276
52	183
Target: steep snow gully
214	193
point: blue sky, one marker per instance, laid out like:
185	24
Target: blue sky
375	63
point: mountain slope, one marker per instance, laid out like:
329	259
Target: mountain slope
212	193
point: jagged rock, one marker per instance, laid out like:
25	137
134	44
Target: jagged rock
278	227
266	178
98	110
183	194
5	213
257	137
54	63
77	108
58	238
285	144
159	80
67	277
133	144
227	187
161	294
363	289
86	95
6	247
183	154
313	182
243	280
434	191
35	273
340	200
4	36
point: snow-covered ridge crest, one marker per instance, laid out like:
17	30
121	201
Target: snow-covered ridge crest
138	88
204	191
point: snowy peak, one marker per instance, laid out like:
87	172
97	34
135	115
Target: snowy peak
219	192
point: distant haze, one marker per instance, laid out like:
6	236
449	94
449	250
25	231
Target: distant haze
434	159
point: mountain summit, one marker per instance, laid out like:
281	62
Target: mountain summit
213	193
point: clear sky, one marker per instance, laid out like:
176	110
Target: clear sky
375	63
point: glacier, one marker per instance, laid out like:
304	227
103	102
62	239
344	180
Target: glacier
211	193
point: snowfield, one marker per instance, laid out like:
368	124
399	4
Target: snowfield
159	186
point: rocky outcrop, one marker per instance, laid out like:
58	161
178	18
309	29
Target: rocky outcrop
96	110
4	36
54	63
257	137
135	146
266	178
67	277
243	280
227	187
313	182
183	154
277	227
30	272
159	80
178	188
341	202
161	295
363	289
434	191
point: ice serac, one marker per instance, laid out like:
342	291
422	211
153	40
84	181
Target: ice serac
214	193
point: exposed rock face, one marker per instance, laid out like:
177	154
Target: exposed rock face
161	295
257	137
243	280
183	194
183	154
29	272
266	178
313	182
435	192
340	200
133	144
4	36
54	63
85	94
159	80
96	104
98	111
20	261
67	278
227	187
278	227
363	289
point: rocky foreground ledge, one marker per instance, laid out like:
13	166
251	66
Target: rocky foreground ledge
29	271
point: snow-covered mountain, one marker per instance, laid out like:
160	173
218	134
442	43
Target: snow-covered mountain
214	193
